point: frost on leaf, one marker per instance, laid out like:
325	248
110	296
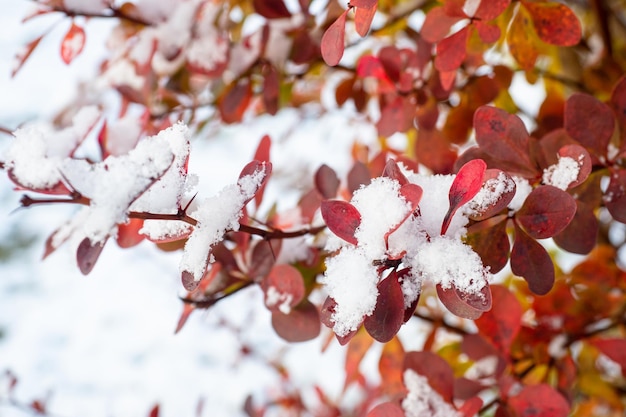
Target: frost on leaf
215	216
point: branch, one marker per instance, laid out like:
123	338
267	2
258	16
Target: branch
209	302
441	322
113	12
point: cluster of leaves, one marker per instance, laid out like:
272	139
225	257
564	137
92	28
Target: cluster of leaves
546	345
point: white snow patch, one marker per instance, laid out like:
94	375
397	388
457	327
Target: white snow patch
522	190
273	298
491	191
563	173
422	400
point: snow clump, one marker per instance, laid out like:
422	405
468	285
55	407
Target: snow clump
422	400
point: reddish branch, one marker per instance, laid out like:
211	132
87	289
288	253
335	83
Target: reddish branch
107	13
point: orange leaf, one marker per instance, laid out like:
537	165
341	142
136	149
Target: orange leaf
520	40
73	43
357	348
555	23
390	367
332	45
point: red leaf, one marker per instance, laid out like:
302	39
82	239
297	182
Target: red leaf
128	233
366	4
87	254
539	400
589	121
615	195
271	89
437	24
485	212
388	315
490	9
392	170
504	321
532	262
471	407
154	412
488	33
396	116
326	181
253	168
271	9
614	348
387	409
618	102
262	154
23	55
300	325
73	43
363	17
341	218
467	306
432	366
451	51
283	288
332	45
504	137
357	349
188	308
465	186
546	212
555	23
234	101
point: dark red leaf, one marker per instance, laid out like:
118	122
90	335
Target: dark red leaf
580	236
589	121
467	306
452	50
555	23
618	102
532	262
539	400
396	116
262	154
437	24
271	89
283	288
326	181
387	409
434	151
271	9
491	242
73	43
188	281
300	325
359	175
392	170
263	258
332	45
363	18
87	254
615	195
504	321
614	349
492	184
546	211
504	137
465	186
432	366
388	315
234	101
341	218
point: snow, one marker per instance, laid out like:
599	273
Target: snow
563	173
522	190
215	216
422	400
491	191
274	298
